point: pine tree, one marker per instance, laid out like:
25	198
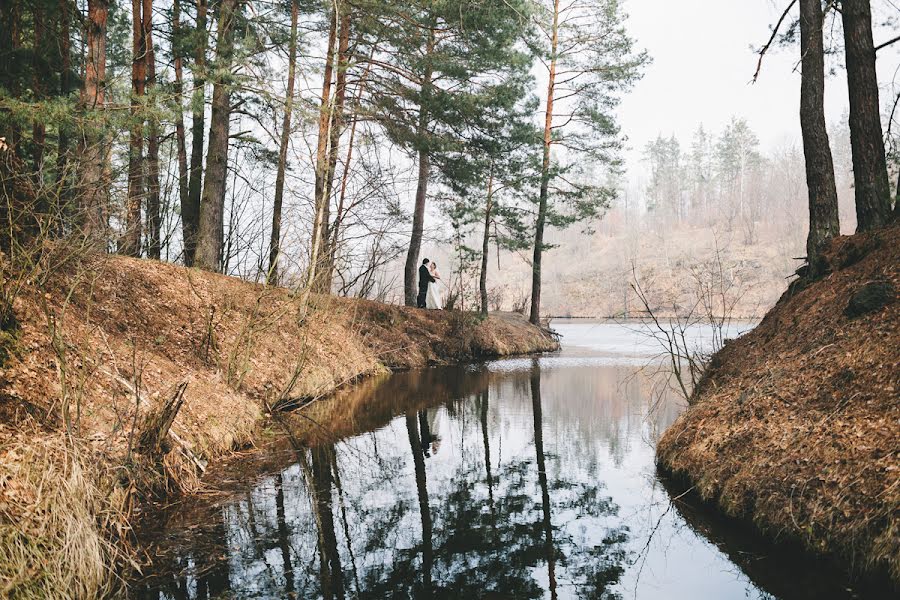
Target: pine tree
823	201
589	63
436	59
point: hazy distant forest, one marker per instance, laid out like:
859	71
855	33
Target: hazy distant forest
329	146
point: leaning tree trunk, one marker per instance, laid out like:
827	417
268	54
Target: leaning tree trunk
411	268
154	218
275	240
545	176
212	204
823	202
873	196
190	214
93	96
131	238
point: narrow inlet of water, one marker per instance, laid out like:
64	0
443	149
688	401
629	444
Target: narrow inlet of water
520	478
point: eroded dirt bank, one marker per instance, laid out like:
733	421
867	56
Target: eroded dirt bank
105	342
796	425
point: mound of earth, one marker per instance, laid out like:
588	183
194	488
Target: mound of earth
796	425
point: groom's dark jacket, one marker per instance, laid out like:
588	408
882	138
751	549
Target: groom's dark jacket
424	279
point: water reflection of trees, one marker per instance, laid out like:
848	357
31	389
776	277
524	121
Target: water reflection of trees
423	525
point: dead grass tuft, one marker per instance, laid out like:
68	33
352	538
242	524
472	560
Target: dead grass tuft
57	521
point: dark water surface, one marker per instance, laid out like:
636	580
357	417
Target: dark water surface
521	478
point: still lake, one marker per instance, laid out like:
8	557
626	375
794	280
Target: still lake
518	478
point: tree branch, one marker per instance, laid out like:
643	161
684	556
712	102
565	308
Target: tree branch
765	48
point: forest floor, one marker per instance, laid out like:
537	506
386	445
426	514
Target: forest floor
102	344
796	425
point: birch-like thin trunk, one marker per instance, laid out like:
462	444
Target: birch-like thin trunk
345	176
326	270
321	200
275	240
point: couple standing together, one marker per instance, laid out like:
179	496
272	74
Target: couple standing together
429	287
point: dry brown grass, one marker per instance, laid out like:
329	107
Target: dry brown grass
99	346
797	424
57	520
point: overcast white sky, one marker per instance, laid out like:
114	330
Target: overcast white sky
702	66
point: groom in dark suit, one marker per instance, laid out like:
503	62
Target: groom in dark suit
424	279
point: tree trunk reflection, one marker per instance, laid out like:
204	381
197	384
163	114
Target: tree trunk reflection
542	476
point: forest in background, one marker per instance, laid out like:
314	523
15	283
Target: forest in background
330	146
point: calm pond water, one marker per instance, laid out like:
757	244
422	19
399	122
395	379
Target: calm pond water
520	478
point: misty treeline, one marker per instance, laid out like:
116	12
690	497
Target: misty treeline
726	180
300	142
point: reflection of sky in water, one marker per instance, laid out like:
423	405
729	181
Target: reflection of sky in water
448	501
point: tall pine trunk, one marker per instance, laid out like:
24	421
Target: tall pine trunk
178	88
190	214
131	239
154	217
545	176
321	200
486	243
873	196
93	97
410	271
275	240
212	204
334	132
823	202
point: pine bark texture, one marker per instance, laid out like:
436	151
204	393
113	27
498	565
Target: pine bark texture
212	204
873	197
823	202
154	216
190	214
93	97
131	239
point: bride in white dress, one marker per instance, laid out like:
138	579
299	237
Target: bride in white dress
434	299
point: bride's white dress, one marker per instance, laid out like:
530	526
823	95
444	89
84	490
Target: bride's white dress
434	298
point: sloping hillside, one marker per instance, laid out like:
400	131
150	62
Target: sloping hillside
797	424
101	345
